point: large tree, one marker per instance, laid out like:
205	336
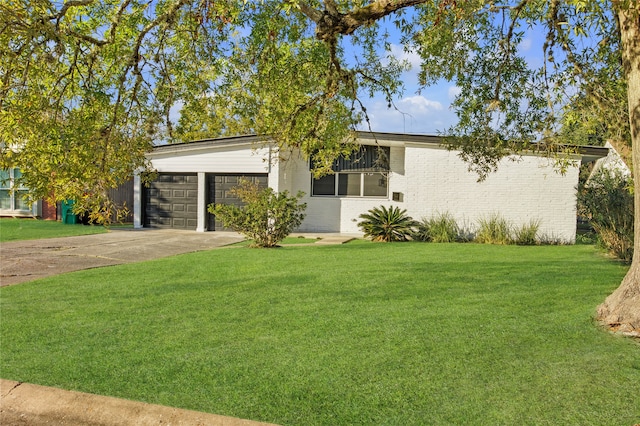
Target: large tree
86	86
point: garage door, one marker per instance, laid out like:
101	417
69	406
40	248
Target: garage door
171	201
220	193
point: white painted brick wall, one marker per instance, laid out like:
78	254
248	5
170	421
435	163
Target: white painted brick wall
521	191
434	180
225	159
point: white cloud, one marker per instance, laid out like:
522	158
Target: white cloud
525	44
419	104
174	111
412	57
415	114
453	91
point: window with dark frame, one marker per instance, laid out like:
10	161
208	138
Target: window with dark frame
363	174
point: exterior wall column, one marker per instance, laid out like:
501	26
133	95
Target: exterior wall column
202	202
273	170
49	210
36	208
137	201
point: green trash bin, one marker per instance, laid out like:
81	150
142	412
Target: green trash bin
68	217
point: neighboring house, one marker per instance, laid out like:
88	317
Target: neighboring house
419	175
12	202
612	162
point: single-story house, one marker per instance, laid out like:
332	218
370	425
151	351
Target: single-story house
418	174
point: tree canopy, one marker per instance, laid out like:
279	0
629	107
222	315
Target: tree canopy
87	86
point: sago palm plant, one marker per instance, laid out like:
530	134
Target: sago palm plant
387	224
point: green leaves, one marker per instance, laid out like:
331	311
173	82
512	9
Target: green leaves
606	200
387	224
266	217
74	109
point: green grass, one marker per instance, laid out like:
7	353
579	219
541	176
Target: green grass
286	241
13	229
362	333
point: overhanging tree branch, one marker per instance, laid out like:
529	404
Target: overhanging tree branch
331	22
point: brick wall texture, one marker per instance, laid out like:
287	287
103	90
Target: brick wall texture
434	180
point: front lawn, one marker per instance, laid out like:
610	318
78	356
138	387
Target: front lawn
286	241
362	333
13	229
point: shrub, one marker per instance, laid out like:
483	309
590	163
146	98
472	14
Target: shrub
382	224
493	230
617	242
267	216
588	238
441	228
422	231
606	200
527	234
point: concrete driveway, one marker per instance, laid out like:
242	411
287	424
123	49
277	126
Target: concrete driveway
22	261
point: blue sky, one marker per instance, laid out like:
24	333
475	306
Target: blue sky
429	111
425	111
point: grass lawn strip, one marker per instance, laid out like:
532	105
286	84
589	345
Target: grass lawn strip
14	229
354	334
287	241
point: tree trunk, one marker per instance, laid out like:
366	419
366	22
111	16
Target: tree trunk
621	310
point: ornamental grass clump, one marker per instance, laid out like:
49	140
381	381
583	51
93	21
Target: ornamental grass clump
441	228
493	230
387	224
527	233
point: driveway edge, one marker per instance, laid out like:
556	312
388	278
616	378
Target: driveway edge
27	404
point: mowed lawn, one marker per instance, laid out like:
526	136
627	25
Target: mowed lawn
363	333
13	229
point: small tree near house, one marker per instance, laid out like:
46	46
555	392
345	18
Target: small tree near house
267	217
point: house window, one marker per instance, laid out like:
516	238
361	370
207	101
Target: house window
374	185
11	192
326	185
364	174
